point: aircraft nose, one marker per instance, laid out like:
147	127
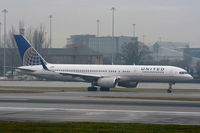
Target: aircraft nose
190	77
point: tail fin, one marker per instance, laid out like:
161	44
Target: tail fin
28	54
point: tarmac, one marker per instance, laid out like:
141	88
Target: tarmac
83	106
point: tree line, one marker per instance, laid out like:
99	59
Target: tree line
35	35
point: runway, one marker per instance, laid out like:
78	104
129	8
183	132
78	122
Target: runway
104	102
77	106
82	84
83	106
97	115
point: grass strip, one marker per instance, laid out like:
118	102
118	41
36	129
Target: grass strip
88	127
150	98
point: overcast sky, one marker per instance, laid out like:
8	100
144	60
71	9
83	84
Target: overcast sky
172	20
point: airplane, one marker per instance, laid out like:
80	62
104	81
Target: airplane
103	76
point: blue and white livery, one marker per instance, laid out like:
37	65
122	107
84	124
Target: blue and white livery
28	54
103	76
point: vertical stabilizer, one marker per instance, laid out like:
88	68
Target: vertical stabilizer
28	54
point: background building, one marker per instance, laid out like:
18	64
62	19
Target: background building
79	39
177	54
169	50
107	45
195	52
73	54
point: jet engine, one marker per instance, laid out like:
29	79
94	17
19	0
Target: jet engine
128	84
107	82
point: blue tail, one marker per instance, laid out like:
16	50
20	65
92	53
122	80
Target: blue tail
28	54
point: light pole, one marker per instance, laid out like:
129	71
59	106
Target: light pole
4	48
113	19
134	30
98	27
113	28
160	39
50	19
0	35
143	38
98	47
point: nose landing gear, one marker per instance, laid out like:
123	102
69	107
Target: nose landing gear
169	90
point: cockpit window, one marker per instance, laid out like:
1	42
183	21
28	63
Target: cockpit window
183	73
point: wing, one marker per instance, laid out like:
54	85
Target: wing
25	70
80	75
84	76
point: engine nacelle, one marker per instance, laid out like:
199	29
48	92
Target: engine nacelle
107	82
128	84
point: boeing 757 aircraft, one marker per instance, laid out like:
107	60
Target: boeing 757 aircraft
103	76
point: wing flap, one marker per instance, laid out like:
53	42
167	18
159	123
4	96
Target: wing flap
81	75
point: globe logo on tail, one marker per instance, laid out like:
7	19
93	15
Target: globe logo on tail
31	57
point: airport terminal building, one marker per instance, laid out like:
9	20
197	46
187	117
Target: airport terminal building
105	45
175	51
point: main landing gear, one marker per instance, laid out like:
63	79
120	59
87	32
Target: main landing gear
104	89
93	88
169	90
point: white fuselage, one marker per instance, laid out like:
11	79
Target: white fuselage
125	73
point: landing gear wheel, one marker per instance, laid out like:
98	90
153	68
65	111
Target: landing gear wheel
104	89
169	90
92	88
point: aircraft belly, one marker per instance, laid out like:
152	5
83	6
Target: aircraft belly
139	78
156	78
